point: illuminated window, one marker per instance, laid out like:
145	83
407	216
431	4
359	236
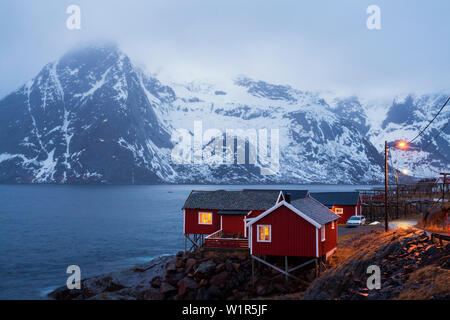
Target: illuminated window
338	210
322	233
332	225
205	218
264	233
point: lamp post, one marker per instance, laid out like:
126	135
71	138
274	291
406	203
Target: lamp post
396	195
386	226
401	145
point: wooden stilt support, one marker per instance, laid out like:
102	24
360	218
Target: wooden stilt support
276	268
286	268
317	271
253	271
298	267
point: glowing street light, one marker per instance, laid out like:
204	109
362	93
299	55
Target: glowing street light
402	144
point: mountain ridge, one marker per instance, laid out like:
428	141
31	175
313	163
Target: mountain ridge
93	117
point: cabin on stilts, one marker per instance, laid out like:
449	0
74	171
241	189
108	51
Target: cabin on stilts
268	223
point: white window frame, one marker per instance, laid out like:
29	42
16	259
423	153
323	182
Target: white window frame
199	220
340	209
322	234
257	232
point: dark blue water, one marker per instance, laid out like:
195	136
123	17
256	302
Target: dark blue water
45	228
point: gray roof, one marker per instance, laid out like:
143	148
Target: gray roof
336	198
315	210
233	212
295	194
232	200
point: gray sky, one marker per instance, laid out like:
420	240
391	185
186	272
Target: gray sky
315	44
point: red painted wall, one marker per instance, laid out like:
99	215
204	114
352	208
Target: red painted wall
291	235
348	212
255	213
191	225
233	224
330	239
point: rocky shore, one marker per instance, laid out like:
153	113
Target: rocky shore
199	275
412	267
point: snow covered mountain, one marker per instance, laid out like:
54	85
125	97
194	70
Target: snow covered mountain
429	154
93	117
88	117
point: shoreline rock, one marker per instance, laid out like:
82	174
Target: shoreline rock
129	284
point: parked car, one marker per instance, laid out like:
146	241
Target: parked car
355	221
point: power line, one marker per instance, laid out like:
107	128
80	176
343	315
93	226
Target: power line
430	121
437	135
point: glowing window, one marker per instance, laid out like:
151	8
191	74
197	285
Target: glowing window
332	225
338	210
264	233
205	218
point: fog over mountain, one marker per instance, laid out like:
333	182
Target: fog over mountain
92	116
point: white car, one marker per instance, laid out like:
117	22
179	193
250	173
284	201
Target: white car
355	221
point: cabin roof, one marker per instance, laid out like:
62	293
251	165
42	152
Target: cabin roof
315	210
295	194
232	200
308	208
336	198
233	212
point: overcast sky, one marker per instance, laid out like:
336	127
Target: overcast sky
315	44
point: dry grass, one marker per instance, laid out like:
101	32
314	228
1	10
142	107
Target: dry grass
412	267
425	283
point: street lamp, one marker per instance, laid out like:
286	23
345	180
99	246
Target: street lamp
401	145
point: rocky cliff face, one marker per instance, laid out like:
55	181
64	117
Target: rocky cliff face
93	117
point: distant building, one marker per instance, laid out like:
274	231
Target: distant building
344	204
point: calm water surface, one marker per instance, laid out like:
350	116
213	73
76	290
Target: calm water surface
45	228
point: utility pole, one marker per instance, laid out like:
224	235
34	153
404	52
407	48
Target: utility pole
444	181
396	193
386	227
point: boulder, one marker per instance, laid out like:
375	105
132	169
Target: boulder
206	267
185	284
190	263
171	267
156	282
167	289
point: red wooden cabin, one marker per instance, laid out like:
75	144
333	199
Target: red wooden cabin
344	204
302	228
221	214
269	222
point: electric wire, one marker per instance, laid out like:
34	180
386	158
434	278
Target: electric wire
429	123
